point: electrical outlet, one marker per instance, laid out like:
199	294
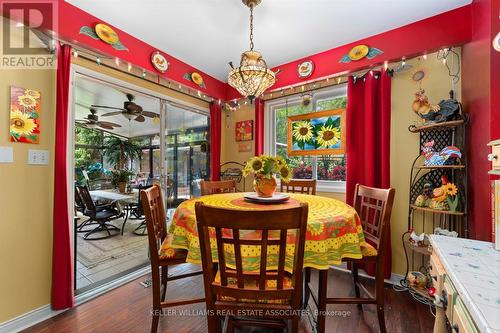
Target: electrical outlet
38	157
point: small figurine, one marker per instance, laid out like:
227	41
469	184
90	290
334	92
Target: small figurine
417	240
423	199
446	154
445	232
439	195
417	279
444	111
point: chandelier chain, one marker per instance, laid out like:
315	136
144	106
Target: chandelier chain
251	28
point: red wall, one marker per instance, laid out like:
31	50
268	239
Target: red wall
480	97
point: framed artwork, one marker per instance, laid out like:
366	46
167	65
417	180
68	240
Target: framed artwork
317	133
24	115
305	69
244	130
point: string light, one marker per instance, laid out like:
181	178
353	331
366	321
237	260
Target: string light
143	74
371	72
425	56
117	62
75	53
444	61
386	65
327	79
338	80
98	60
129	67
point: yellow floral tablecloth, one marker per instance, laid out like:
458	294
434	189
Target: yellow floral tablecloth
333	231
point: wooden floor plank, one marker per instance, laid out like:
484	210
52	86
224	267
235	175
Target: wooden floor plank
127	309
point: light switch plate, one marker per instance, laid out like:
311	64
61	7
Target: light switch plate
6	155
38	157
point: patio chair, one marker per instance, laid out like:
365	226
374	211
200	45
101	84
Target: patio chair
137	211
269	297
100	215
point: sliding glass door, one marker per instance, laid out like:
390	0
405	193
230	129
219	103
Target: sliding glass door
186	153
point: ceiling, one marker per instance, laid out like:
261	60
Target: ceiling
93	92
208	34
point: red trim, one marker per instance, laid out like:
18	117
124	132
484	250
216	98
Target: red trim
215	140
259	127
71	19
425	36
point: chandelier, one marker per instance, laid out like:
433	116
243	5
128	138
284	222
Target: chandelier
253	77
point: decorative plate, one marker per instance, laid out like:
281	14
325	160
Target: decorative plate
305	69
159	62
496	42
276	198
106	33
358	52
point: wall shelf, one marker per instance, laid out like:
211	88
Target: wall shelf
420	249
436	211
434	126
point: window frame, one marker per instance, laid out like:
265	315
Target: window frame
270	129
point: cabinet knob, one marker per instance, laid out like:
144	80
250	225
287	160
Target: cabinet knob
492	157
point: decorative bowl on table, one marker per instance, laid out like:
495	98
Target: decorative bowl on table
274	199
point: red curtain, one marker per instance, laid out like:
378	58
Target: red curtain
215	139
259	126
368	138
62	257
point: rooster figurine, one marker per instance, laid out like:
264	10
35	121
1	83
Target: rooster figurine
433	158
415	239
445	110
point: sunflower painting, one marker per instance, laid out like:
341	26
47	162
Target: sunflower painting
24	115
317	133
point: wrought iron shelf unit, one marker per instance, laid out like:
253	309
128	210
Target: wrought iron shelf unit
425	219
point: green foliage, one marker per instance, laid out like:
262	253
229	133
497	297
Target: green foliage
120	176
118	151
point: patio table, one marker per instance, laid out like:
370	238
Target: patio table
334	231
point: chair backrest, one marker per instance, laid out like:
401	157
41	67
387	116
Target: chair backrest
154	211
305	186
274	226
86	200
140	209
213	187
374	207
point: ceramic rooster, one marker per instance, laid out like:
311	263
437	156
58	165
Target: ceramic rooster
433	158
445	110
417	240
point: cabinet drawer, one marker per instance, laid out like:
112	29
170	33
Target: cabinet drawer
462	323
495	163
450	293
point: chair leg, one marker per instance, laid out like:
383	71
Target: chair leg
355	281
213	324
127	213
295	324
154	323
379	295
307	291
164	280
322	295
155	273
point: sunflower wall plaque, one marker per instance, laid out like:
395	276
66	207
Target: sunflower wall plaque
196	78
317	133
359	52
104	33
24	115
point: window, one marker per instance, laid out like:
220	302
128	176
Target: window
329	170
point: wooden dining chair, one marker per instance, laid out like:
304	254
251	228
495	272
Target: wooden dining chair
221	186
269	296
164	256
374	208
305	186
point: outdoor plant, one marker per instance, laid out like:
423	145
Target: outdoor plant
118	151
120	176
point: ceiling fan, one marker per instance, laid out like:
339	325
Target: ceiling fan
130	110
92	121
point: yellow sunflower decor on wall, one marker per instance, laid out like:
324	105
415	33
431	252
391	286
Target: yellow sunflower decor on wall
196	78
105	33
359	52
24	115
317	133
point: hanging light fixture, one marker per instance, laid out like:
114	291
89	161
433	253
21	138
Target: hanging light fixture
253	77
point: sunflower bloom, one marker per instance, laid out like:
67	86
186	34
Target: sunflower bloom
285	174
33	93
27	101
197	78
21	123
302	131
328	136
451	189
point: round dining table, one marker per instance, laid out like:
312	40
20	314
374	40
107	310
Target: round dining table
334	230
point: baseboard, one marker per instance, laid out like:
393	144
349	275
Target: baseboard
394	280
28	319
45	312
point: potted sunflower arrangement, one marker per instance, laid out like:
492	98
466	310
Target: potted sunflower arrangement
264	168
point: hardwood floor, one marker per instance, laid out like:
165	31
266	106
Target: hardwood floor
127	309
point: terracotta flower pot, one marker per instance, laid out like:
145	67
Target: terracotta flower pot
122	187
265	187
